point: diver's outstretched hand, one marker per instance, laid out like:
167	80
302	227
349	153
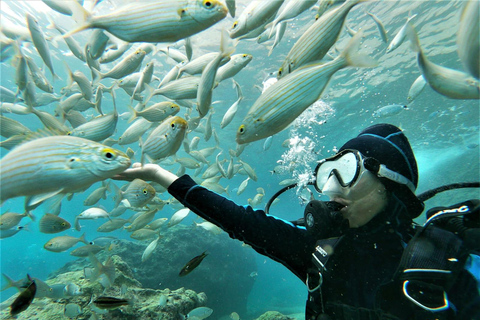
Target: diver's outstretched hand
148	172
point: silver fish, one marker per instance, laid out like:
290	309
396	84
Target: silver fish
98	129
40	43
125	67
381	28
318	39
468	39
285	100
138	193
159	21
166	139
63	243
448	82
58	164
400	36
416	88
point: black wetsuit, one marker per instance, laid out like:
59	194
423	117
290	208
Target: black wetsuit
364	260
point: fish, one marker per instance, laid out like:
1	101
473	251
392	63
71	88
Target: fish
157	224
97	129
24	299
156	112
210	227
10	127
110	303
82	81
400	36
388	111
63	243
125	67
165	139
71	289
231	68
9	220
37	76
197	65
142	220
59	164
285	100
234	316
178	217
451	83
381	28
192	264
72	44
13	231
40	43
72	310
112	55
134	131
207	80
112	225
149	249
51	223
183	88
62	7
144	234
317	39
171	21
468	39
85	250
199	313
416	88
290	10
97	194
137	194
256	14
90	214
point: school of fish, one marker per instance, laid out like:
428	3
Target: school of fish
170	112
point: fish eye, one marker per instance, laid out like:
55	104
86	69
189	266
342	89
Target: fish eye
108	154
69	133
244	55
235	24
241	129
172	125
207	4
145	191
280	71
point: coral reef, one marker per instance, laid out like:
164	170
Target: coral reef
145	303
224	275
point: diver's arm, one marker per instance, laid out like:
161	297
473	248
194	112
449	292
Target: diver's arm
278	239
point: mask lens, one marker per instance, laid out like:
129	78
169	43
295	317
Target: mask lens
345	168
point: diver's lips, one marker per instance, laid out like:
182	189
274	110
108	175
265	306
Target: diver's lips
339	204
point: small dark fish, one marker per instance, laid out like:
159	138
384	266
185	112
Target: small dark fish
24	299
110	302
192	264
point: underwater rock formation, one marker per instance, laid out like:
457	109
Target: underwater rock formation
224	275
144	303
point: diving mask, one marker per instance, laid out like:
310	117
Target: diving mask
350	172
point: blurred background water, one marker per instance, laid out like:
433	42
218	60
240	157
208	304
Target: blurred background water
444	132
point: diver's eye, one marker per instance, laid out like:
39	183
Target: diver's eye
207	4
241	129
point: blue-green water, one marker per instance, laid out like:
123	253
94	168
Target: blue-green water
444	132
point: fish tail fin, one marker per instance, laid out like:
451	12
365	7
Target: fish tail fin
413	37
77	225
133	112
98	267
351	55
227	47
109	270
117	194
81	16
9	282
82	238
30	215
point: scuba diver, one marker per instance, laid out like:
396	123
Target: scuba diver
360	254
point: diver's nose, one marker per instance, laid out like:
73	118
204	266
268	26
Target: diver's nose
332	187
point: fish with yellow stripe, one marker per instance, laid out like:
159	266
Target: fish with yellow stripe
57	164
285	100
166	139
154	21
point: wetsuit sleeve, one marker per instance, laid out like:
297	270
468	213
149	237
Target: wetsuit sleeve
268	235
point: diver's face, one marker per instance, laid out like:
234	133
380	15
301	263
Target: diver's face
362	201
